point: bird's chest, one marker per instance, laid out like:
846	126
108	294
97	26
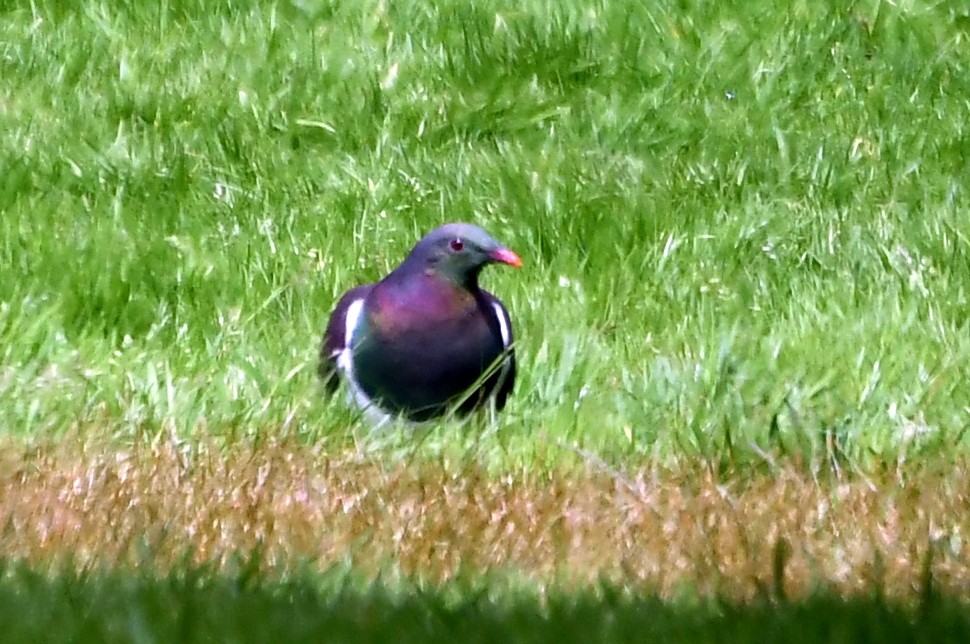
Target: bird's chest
419	348
427	334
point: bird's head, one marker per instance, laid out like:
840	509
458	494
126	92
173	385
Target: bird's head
458	252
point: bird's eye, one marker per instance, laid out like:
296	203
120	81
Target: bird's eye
457	245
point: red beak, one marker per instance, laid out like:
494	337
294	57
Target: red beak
505	256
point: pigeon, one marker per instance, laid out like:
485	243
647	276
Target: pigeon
426	337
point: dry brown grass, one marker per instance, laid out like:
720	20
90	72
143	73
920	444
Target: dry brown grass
661	529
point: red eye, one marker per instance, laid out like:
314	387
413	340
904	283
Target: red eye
457	245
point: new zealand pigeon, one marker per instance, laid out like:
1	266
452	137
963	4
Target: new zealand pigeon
413	343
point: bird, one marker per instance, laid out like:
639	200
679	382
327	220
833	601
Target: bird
426	338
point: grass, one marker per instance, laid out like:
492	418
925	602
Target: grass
196	606
233	609
743	227
672	532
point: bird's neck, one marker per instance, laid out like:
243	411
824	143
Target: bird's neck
397	305
467	281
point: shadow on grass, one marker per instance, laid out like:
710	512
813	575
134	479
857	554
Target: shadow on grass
199	605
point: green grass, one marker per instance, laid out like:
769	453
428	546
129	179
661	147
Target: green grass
744	226
197	606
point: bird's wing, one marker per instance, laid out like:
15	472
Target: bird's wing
335	336
506	374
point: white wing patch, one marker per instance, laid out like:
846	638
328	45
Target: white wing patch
351	320
345	363
504	325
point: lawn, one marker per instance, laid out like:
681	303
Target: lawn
741	323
